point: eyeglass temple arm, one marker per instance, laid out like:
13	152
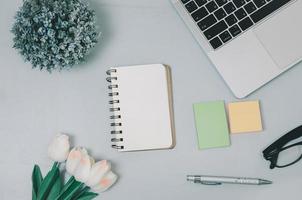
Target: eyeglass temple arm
277	145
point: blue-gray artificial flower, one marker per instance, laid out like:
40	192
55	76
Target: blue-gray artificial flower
55	34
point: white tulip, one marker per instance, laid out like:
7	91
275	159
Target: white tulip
97	172
58	149
106	182
79	164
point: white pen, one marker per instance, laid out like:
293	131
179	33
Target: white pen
218	180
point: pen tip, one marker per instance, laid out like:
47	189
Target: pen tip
265	182
190	178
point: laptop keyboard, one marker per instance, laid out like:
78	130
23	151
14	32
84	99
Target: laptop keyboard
222	20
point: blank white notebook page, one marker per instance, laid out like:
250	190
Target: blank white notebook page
145	107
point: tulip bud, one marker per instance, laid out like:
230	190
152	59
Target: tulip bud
97	172
58	149
106	182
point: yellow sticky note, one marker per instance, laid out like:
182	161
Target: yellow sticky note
244	117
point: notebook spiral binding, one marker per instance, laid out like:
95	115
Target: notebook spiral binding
118	133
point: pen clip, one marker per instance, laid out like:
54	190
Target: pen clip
207	182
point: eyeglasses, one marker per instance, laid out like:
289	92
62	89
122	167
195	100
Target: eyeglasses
286	150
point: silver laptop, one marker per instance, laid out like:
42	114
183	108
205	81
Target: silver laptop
250	42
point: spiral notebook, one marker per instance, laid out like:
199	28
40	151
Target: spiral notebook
141	106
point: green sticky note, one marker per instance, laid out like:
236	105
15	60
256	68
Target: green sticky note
211	124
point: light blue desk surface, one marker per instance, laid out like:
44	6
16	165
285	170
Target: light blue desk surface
35	105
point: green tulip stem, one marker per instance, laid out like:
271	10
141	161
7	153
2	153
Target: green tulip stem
66	186
55	165
85	189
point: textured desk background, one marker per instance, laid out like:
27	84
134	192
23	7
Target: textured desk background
36	105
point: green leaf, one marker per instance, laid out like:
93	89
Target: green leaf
88	196
36	181
80	193
71	191
48	182
55	190
34	196
67	185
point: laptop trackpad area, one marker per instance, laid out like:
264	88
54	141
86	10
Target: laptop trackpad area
281	35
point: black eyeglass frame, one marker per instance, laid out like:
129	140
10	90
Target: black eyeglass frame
271	153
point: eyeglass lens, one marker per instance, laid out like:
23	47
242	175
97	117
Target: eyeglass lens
290	155
285	151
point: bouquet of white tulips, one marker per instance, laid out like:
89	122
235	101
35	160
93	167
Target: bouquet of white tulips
87	177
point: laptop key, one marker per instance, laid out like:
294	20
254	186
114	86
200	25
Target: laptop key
231	19
200	14
234	30
259	3
212	6
239	3
220	14
185	1
245	23
215	30
250	7
207	22
201	2
221	2
268	9
229	8
240	14
225	36
215	43
191	6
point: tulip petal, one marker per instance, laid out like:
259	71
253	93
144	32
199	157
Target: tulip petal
92	161
83	168
106	182
97	172
73	160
